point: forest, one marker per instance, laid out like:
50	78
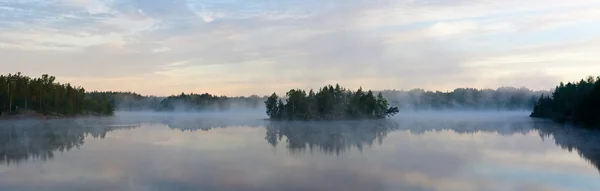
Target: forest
575	102
130	101
21	94
208	102
329	103
504	98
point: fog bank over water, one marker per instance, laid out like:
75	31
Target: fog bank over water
259	115
413	151
464	115
504	122
467	99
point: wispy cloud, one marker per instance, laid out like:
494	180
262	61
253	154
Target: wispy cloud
263	44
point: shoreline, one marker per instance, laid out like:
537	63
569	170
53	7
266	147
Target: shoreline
39	116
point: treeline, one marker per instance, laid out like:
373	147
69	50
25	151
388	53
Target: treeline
574	102
329	103
130	101
208	102
21	94
504	98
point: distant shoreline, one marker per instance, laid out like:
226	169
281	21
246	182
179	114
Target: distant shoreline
38	116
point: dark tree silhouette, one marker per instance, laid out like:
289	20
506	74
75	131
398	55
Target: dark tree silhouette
20	93
574	102
329	103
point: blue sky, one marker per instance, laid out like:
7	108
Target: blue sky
235	47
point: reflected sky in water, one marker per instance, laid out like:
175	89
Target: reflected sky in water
414	152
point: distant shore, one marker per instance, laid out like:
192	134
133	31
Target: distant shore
32	115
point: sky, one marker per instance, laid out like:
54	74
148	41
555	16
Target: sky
244	47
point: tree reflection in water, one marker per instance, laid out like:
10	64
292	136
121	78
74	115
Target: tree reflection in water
585	141
205	124
329	137
337	137
39	140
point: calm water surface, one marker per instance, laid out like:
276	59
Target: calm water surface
413	152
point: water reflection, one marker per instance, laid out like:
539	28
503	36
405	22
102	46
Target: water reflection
336	138
329	137
220	153
467	126
39	140
586	142
206	124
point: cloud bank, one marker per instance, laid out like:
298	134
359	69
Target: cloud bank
256	47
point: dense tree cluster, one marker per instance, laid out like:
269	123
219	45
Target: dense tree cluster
504	98
130	101
329	103
20	93
207	102
576	102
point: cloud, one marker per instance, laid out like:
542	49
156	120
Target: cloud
161	49
232	44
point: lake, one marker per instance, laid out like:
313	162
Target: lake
422	151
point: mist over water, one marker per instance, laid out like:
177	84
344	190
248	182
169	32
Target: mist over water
241	150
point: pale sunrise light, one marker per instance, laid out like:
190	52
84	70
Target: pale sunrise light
259	47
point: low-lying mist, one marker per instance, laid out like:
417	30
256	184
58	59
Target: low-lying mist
460	99
503	99
258	118
460	115
247	113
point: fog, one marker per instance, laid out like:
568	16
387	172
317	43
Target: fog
19	134
467	99
242	150
464	115
260	115
460	99
133	102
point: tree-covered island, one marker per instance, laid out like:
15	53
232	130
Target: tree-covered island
329	103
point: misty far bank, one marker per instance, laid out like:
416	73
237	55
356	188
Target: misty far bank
35	97
575	102
500	99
